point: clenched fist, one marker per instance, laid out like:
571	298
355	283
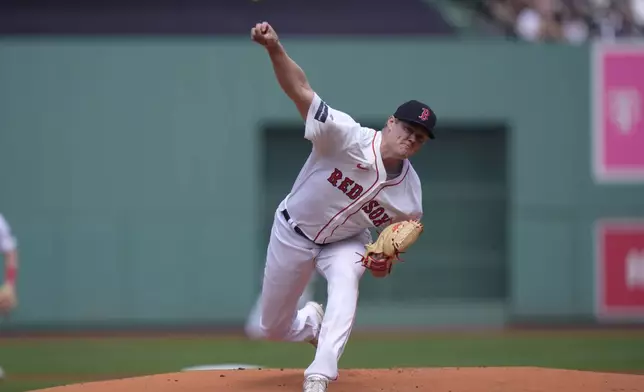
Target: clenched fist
8	299
264	35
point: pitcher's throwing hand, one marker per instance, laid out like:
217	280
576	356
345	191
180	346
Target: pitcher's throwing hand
264	35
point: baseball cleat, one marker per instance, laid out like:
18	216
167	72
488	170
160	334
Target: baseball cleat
319	312
316	383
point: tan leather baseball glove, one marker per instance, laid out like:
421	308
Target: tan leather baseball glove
394	240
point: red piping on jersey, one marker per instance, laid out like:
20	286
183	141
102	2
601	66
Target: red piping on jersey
373	147
361	207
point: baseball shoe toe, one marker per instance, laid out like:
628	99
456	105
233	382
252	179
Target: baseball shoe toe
319	313
316	383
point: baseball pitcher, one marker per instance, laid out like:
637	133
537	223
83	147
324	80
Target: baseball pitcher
354	179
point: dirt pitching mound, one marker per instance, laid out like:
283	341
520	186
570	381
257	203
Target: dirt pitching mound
513	379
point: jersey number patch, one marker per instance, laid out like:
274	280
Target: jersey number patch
322	113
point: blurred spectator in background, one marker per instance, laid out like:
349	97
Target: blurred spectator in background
572	21
8	299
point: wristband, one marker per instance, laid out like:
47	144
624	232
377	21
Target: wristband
10	274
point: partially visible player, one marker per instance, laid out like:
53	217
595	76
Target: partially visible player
8	247
252	327
8	298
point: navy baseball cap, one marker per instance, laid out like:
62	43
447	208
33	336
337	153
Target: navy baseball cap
416	112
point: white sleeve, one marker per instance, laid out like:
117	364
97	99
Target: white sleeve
637	9
7	242
329	129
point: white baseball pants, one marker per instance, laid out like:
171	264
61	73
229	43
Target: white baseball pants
252	327
290	261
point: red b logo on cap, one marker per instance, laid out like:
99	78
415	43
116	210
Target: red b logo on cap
425	114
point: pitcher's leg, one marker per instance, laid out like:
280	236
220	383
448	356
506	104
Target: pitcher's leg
309	292
252	327
289	264
337	263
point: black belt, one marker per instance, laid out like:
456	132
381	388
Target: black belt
297	229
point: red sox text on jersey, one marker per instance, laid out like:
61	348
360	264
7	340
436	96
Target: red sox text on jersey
353	190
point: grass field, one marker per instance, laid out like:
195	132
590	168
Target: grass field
41	362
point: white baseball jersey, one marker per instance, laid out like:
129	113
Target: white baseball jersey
342	189
7	241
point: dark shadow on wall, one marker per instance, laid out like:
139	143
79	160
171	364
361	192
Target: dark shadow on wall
464	174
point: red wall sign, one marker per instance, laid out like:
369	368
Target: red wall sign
620	269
